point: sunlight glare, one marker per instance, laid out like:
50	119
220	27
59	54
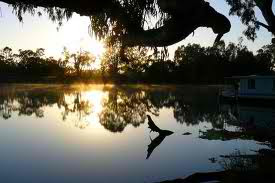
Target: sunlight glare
97	49
77	39
95	98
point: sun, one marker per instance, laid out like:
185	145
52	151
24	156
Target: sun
90	44
96	48
75	37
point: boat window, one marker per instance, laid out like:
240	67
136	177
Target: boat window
251	84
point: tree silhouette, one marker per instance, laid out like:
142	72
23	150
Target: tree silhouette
132	63
266	57
124	20
246	11
80	60
191	64
127	21
7	53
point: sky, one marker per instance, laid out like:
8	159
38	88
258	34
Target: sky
39	32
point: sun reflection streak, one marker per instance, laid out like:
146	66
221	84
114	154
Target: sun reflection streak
82	109
95	98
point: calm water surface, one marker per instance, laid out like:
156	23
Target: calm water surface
93	133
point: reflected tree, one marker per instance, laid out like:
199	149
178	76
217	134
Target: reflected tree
129	106
125	107
34	101
27	103
6	107
79	107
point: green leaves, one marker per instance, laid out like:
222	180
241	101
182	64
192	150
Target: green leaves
245	10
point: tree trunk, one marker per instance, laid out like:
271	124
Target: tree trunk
266	8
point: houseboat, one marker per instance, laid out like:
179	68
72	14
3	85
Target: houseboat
249	87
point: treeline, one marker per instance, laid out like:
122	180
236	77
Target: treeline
196	64
28	63
191	64
35	66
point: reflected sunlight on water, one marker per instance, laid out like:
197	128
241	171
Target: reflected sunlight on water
96	98
85	108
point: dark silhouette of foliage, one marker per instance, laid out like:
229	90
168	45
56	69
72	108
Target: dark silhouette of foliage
191	64
198	64
132	66
124	106
25	64
246	11
125	21
81	60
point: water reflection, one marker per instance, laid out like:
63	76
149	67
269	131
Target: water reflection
33	102
79	107
238	167
119	106
158	140
27	103
155	143
34	133
124	107
261	116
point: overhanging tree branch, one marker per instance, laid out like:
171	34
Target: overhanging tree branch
184	18
263	25
82	7
266	8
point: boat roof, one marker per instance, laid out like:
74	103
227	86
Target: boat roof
252	77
